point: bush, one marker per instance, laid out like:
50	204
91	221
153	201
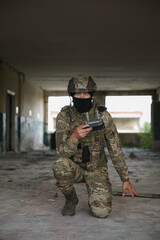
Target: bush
147	127
146	140
146	137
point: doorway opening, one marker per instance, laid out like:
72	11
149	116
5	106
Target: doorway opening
10	121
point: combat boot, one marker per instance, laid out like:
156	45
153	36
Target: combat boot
70	204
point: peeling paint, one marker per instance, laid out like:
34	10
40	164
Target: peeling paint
28	133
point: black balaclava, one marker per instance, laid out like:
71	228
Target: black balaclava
82	104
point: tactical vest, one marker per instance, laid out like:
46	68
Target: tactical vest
90	151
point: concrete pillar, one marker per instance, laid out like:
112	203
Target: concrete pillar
2	132
155	116
46	140
158	94
21	78
2	111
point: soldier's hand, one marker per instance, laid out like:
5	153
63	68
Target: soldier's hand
80	132
128	186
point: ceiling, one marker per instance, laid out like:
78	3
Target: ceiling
116	42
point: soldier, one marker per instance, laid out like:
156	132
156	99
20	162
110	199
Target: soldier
81	150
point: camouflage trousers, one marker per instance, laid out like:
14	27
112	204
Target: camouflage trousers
97	182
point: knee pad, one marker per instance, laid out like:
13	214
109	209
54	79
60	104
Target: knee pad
99	205
100	211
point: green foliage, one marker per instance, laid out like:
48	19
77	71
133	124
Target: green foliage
147	127
146	140
146	137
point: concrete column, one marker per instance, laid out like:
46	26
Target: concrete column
155	114
3	132
158	94
18	115
46	140
2	111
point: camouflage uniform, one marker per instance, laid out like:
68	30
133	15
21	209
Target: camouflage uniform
70	169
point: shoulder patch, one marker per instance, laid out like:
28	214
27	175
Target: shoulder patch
101	108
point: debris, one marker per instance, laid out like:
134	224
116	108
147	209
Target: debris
37	193
10	169
140	195
10	180
43	215
137	180
122	237
132	155
157	210
45	176
51	200
55	195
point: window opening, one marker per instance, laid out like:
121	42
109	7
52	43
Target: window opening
55	105
131	114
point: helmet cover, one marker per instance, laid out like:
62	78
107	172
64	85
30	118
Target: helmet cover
81	83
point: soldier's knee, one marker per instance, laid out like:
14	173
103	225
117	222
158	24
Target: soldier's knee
101	211
99	206
61	167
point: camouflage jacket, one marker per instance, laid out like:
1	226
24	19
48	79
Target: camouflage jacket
69	119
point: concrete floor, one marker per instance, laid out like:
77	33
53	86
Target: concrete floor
30	204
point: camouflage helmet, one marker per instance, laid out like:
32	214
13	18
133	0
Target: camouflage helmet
81	83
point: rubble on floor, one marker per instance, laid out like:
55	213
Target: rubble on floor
30	202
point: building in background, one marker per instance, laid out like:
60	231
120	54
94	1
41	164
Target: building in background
128	122
129	112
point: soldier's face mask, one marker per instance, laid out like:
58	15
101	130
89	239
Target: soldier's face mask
82	104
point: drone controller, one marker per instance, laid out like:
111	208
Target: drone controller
96	124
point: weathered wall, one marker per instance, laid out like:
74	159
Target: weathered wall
31	119
9	81
28	110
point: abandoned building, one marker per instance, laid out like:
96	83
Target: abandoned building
43	44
